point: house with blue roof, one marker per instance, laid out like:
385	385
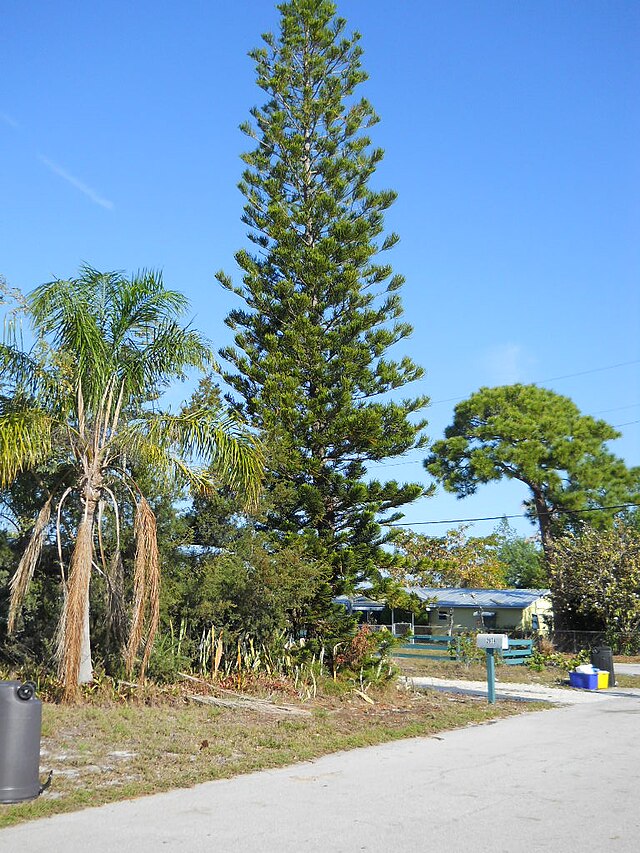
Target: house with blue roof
449	610
462	609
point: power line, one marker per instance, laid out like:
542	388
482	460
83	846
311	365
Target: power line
517	515
601	411
555	378
586	372
423	451
617	409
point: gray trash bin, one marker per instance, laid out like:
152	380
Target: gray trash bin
602	658
20	728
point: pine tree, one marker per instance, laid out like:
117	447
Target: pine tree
309	362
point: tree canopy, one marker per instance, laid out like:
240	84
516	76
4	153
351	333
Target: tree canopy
521	557
455	560
531	434
309	364
595	577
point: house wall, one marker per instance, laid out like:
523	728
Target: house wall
543	609
507	618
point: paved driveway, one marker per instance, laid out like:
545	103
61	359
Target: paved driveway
566	779
627	668
528	692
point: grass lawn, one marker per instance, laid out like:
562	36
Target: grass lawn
550	677
104	751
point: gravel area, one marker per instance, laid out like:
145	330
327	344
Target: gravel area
526	692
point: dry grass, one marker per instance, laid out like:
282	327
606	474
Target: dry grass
550	676
105	752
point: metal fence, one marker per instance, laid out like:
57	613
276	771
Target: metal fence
563	641
575	641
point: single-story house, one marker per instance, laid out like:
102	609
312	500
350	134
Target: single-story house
491	609
453	609
360	604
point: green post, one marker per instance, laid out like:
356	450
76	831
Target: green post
491	676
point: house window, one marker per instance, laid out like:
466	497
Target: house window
489	620
486	618
443	615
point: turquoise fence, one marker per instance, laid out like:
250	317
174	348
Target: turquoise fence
431	647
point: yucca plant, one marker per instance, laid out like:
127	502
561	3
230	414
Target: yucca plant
83	400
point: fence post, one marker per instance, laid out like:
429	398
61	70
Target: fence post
491	676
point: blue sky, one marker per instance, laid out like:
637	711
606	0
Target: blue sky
511	131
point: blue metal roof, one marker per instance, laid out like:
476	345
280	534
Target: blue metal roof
359	602
484	598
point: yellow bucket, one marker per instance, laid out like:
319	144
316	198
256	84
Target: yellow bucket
603	679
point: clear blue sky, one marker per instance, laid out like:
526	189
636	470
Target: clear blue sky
511	132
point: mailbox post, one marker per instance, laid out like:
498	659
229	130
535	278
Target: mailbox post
491	642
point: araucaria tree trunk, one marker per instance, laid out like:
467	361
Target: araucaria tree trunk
310	360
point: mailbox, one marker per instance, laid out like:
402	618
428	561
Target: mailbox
492	641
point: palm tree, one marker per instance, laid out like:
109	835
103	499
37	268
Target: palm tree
83	401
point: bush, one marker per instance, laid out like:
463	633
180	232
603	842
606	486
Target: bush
540	660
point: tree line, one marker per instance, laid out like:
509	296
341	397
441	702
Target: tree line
250	508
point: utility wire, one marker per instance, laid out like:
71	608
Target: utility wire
617	409
517	515
554	378
418	461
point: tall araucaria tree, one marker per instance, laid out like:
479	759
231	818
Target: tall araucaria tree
310	365
82	406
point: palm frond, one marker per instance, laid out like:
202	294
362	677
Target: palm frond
113	326
25	441
140	304
70	312
28	375
201	447
20	581
168	355
146	607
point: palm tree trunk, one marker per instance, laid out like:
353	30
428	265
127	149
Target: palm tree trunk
85	672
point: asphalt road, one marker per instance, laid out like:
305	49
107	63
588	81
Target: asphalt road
627	668
566	779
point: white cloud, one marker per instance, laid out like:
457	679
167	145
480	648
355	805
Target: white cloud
75	182
7	119
507	364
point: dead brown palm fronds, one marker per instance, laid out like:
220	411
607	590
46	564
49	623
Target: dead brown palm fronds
73	624
103	559
115	605
146	587
153	596
114	579
26	567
